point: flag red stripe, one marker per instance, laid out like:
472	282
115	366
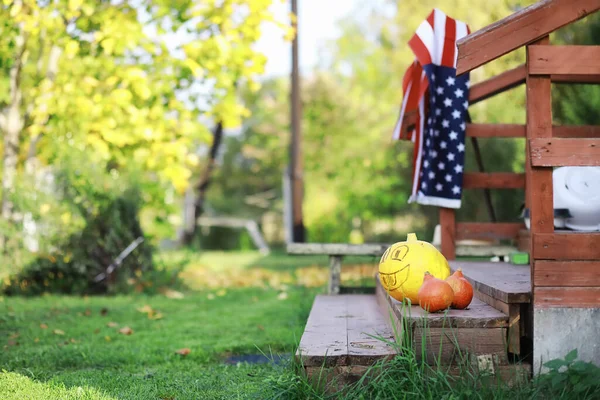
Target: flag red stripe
449	43
420	50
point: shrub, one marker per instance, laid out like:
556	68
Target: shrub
83	256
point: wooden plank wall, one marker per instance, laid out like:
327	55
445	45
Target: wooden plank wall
565	266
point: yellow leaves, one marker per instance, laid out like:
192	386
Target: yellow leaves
58	332
71	49
65	218
121	97
109	45
282	296
183	352
150	312
196	69
126	331
112	324
178	175
172	294
75	4
15	9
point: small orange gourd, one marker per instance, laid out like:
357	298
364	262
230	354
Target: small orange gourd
435	294
463	291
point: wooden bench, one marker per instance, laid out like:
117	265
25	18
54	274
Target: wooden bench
337	252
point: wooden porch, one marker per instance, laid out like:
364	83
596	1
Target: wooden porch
499	330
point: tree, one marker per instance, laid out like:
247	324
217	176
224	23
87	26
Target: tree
577	104
107	79
352	168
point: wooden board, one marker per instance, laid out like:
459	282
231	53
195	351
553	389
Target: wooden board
495	180
523	27
495	130
567	297
497	84
448	228
564	60
488	230
567	273
540	200
377	250
338	249
477	315
502	281
553	152
450	345
566	246
445	337
579	131
337	332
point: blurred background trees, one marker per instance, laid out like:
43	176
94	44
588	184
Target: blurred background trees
104	102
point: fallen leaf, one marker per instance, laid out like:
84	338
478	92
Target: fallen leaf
260	327
107	338
184	352
97	330
36	340
155	316
282	296
126	330
173	294
58	332
112	324
43	326
104	311
87	312
12	343
73	340
210	296
145	309
14	335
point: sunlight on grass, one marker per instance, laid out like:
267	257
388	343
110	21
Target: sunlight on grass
214	270
17	387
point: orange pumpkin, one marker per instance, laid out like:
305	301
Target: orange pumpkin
435	294
463	291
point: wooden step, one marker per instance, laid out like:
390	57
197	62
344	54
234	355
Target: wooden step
341	336
475	334
507	288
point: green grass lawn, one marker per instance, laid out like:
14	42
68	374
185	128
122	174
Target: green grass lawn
237	303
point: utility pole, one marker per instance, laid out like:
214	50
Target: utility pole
295	169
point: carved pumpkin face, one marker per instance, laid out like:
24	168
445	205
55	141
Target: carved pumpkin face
404	264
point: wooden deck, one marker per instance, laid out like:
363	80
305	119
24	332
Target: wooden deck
342	330
509	283
449	338
507	288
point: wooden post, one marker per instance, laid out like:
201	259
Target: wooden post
335	272
539	190
448	225
297	186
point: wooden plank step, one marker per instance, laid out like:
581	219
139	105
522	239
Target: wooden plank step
507	288
341	331
448	338
509	283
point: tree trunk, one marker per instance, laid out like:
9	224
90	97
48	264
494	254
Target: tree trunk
11	125
202	187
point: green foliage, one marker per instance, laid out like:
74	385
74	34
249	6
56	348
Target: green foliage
352	168
577	104
86	254
570	378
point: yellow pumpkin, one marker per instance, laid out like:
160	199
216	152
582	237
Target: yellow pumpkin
403	266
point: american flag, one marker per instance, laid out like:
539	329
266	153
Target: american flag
440	100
